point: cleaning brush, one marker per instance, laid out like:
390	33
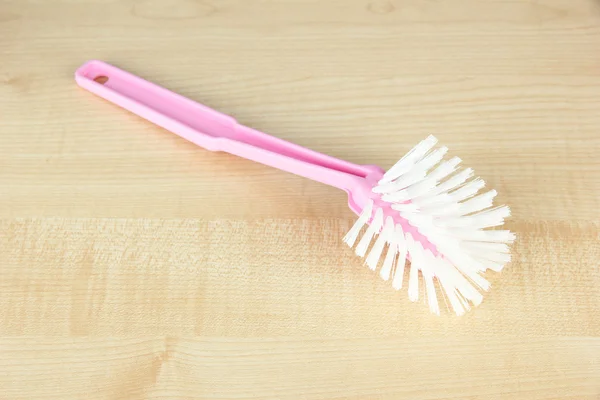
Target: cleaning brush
425	214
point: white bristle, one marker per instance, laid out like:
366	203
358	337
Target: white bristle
483	219
418	189
460	283
432	159
414	181
478	203
453	297
468	266
402	242
375	254
477	279
496	266
415	190
364	217
406	207
401	183
413	282
375	227
427	268
417	219
431	201
390	257
449	286
488	218
413	277
444	169
443	202
453	181
469	189
444	210
498	258
406	163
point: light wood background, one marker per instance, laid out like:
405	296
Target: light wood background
134	265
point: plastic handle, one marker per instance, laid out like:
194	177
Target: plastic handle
213	130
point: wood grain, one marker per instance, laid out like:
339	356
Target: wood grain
268	277
134	265
185	368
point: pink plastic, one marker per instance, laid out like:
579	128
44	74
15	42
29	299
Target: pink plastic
219	132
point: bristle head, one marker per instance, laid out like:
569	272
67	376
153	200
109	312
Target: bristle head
430	211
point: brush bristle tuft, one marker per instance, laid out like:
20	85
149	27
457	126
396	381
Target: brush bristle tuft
444	203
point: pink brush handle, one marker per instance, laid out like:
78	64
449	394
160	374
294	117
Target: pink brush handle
212	130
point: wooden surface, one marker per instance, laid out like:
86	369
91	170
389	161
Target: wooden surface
134	265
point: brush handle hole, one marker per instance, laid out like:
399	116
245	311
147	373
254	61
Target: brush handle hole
101	79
